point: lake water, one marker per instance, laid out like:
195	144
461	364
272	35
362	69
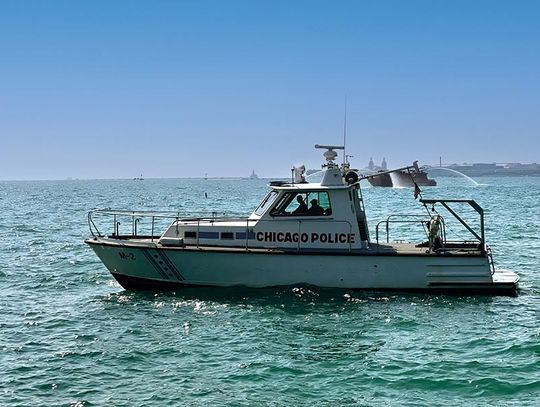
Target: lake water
70	335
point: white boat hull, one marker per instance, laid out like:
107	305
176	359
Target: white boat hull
147	266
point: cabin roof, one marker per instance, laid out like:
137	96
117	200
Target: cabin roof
308	187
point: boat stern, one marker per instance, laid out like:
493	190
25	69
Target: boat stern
502	282
507	281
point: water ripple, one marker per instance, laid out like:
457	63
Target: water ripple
71	336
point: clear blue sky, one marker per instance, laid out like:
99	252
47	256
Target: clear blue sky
112	89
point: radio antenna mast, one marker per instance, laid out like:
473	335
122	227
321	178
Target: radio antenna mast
345	131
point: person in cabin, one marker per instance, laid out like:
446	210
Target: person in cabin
302	207
315	209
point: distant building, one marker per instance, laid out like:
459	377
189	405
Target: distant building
495	169
372	167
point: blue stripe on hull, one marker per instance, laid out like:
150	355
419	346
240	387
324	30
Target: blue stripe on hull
242	235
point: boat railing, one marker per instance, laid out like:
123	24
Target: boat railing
404	219
478	243
446	204
446	245
133	220
490	259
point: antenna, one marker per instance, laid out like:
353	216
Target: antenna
345	131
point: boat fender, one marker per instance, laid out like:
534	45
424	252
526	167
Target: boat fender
171	241
351	177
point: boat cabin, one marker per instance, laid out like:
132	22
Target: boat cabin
296	215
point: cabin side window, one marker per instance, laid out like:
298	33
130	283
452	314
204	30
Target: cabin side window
312	203
266	202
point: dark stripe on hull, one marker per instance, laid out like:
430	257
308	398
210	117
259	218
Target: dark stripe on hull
154	263
508	289
144	284
170	265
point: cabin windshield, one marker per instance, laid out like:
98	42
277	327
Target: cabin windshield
266	202
312	203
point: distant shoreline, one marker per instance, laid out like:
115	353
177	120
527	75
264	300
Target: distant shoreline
146	179
439	175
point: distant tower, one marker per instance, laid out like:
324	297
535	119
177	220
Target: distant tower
371	166
383	164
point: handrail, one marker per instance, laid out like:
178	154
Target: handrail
92	226
109	211
490	259
473	204
135	219
388	221
198	231
164	215
137	215
247	233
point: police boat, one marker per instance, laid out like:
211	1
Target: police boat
312	233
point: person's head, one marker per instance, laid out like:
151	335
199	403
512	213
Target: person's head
300	199
314	202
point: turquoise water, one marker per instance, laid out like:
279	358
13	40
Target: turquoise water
70	335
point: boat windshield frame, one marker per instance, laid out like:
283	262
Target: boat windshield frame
283	207
267	201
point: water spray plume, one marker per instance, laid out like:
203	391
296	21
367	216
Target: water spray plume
455	172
